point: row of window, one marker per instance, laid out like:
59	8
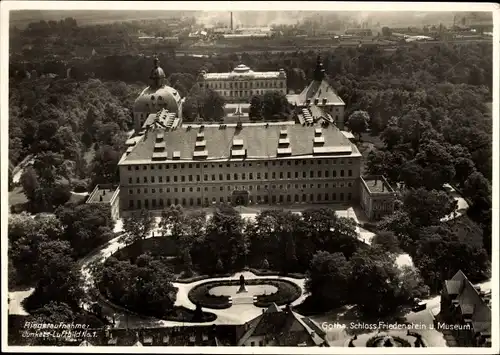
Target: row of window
243	176
244	93
244	84
326	197
243	187
244	165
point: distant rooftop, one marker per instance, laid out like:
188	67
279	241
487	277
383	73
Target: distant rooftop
102	195
377	184
242	71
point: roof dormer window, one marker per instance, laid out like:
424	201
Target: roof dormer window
152	97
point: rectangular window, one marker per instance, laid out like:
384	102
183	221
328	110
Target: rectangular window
136	167
265	176
175	178
250	176
190	177
160	179
213	177
198	178
228	177
205	178
152	179
235	176
130	168
221	177
281	175
145	179
243	177
168	178
131	204
342	172
327	173
130	180
274	175
349	172
311	173
319	173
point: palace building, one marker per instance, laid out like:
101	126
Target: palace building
260	163
243	83
156	97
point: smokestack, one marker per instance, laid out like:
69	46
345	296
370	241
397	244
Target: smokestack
231	20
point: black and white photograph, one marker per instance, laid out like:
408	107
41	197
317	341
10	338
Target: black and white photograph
249	175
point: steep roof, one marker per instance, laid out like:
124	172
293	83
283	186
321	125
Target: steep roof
286	327
319	90
470	302
260	141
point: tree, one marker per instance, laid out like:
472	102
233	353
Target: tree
358	122
137	227
374	282
29	182
387	240
328	272
255	111
224	239
275	106
440	255
105	166
464	167
426	208
86	226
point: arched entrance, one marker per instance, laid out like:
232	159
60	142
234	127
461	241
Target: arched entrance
240	198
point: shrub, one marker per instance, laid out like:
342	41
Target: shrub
287	293
80	185
200	294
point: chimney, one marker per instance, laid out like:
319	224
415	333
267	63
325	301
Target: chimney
100	198
324	100
316	101
308	102
313	334
231	21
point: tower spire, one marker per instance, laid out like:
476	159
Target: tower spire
319	71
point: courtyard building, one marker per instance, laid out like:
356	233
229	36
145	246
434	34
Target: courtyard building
377	197
107	195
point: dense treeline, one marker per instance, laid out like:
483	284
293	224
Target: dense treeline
74	130
318	243
43	253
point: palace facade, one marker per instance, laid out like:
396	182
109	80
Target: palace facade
243	83
260	163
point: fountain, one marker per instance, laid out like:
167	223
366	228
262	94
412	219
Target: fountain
242	285
387	341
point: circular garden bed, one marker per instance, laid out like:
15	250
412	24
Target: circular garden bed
286	293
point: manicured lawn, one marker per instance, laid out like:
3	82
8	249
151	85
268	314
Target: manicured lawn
287	293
